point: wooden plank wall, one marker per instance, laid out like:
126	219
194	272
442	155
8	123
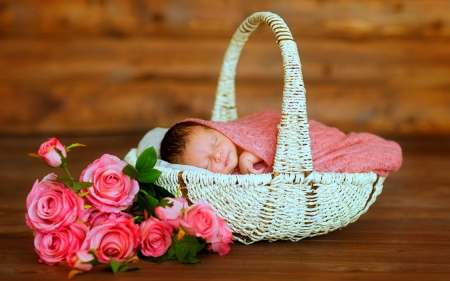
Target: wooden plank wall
125	66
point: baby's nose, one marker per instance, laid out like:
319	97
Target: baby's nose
218	155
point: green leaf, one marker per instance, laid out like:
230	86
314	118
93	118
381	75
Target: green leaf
188	238
66	182
196	247
131	171
141	201
147	159
74	145
171	250
148	187
150	202
181	250
186	248
123	269
81	185
149	175
165	203
126	268
160	259
191	259
161	192
145	163
114	265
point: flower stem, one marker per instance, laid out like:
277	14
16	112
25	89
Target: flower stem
68	174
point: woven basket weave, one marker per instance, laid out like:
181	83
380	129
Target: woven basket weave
294	201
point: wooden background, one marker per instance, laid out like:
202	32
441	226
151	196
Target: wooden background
103	72
98	67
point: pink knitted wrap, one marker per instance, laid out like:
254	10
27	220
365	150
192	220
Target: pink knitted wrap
331	149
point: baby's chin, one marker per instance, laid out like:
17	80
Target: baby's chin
228	171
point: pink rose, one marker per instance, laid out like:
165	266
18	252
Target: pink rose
200	220
50	205
112	191
116	237
48	152
219	242
95	217
53	247
79	260
172	215
156	237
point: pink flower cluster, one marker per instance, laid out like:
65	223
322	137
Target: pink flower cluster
198	220
67	223
70	226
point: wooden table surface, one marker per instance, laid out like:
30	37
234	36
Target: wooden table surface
405	235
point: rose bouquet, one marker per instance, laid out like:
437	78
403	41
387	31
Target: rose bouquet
115	214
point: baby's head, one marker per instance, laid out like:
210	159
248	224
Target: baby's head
190	143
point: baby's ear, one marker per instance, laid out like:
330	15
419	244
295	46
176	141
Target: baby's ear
178	160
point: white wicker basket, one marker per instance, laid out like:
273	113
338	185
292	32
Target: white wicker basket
294	201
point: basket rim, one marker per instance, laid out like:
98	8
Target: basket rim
271	175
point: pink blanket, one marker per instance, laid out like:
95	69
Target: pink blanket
331	149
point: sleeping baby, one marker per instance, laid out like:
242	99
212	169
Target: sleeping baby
248	145
194	144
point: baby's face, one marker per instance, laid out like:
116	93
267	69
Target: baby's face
210	150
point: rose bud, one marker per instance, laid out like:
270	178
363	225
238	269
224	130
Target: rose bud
50	154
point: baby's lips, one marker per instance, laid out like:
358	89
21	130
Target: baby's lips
227	160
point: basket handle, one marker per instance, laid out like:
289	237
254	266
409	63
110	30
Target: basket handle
293	153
